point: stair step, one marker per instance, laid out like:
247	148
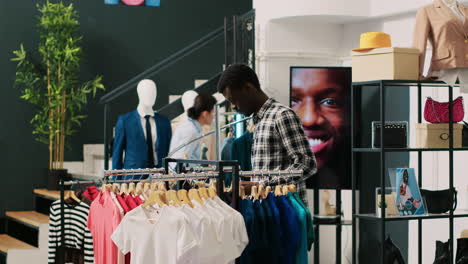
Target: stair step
7	242
49	194
29	218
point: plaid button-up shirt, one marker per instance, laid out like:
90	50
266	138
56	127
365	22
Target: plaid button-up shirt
280	143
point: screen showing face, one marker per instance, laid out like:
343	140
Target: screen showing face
321	98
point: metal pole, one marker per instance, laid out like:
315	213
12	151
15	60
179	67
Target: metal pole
353	177
226	59
451	167
234	35
382	168
218	153
106	143
420	256
317	227
60	255
338	227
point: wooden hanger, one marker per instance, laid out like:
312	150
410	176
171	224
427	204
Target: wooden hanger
106	187
131	188
139	188
292	188
212	190
172	199
154	186
156	197
123	189
115	188
267	190
254	192
183	197
285	189
69	194
261	192
203	193
162	186
242	192
278	191
194	195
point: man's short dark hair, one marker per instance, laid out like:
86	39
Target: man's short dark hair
237	75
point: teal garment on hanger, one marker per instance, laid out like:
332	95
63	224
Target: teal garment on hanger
301	253
310	223
242	151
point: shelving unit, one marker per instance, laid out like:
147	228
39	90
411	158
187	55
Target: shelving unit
382	85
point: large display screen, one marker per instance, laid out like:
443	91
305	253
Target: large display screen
321	98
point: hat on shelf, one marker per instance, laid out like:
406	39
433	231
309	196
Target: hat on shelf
374	40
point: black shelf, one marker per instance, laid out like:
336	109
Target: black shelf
357	90
330	220
400	83
456	214
367	150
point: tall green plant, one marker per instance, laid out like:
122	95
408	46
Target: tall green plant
53	84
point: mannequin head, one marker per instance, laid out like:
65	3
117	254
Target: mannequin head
188	99
146	90
203	109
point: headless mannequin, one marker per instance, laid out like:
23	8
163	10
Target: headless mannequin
450	76
147	94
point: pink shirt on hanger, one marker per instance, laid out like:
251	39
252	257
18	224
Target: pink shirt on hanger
103	218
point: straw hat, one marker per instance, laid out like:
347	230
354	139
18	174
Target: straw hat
374	40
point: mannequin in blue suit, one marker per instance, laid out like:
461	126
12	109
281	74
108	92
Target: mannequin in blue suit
130	133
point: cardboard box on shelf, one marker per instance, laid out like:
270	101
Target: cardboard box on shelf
386	64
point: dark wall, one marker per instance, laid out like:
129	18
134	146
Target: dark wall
119	42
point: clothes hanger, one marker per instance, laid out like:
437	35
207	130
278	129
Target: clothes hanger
162	186
203	191
70	194
242	192
292	187
194	195
154	186
212	189
123	188
183	195
285	187
156	197
131	188
261	192
278	191
268	188
139	188
254	192
115	188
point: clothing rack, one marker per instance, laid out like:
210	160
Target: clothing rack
216	170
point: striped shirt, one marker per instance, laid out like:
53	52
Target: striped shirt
280	143
77	234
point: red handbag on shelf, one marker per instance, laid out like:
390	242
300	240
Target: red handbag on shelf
436	112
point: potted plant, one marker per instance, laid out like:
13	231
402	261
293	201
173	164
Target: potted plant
52	84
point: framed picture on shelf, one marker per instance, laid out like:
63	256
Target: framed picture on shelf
408	197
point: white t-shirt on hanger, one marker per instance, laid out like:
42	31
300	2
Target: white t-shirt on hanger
159	236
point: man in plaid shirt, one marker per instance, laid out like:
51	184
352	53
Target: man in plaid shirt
279	139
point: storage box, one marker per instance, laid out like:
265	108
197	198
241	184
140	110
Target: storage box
386	64
437	135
